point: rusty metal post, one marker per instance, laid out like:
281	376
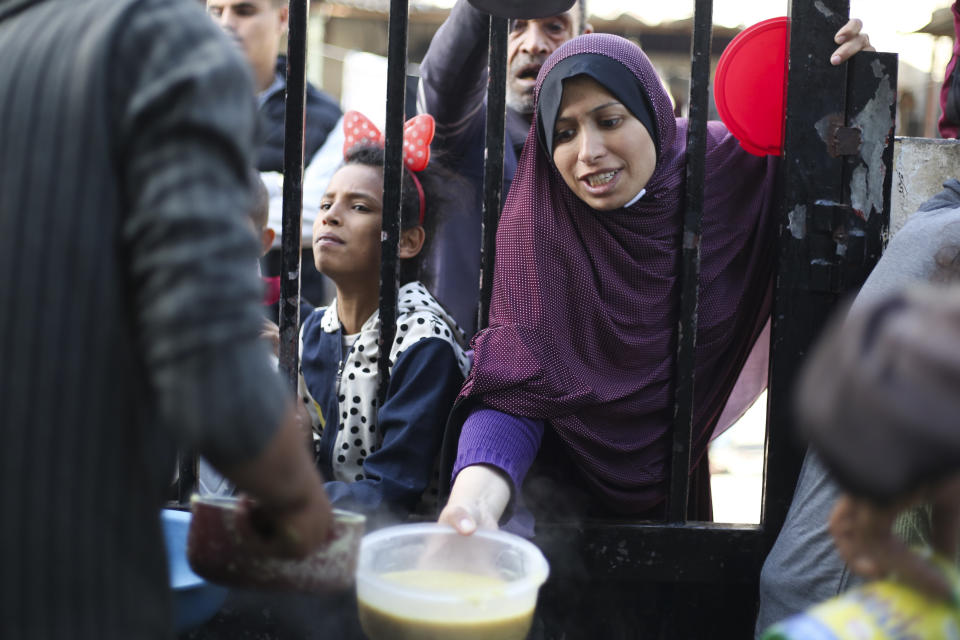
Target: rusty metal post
690	262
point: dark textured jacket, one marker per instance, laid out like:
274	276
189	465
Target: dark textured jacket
130	308
322	115
453	83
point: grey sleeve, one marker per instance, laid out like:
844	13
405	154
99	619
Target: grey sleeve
912	254
453	74
949	197
803	568
185	106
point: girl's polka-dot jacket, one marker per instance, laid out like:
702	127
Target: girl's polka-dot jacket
382	461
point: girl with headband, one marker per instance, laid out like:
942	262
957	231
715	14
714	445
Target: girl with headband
381	459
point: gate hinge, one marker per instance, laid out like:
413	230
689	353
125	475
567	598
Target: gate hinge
843	141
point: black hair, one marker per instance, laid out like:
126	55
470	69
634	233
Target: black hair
439	184
579	12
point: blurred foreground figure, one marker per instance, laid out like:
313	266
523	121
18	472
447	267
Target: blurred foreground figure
803	567
879	401
130	310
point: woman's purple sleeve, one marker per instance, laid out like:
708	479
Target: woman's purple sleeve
502	440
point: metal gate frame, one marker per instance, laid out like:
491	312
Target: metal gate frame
674	579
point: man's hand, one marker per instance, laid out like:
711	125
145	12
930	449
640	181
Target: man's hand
478	498
851	40
291	514
293	532
863	533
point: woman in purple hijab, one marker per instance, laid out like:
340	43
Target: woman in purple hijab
573	380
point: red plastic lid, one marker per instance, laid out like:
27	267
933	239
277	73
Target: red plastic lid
750	86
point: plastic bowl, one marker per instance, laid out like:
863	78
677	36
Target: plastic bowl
750	86
194	600
222	549
426	581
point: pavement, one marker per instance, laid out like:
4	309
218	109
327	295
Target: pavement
736	467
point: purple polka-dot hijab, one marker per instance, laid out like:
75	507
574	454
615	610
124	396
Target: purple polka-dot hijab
585	308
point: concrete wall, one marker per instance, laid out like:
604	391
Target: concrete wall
920	166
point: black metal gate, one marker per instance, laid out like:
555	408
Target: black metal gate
672	579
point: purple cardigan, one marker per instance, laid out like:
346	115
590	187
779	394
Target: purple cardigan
509	443
505	441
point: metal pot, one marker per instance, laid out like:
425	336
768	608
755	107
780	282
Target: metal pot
194	600
219	549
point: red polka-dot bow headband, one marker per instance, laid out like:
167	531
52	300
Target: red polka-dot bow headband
417	134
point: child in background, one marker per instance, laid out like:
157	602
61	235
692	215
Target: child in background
209	481
259	217
381	459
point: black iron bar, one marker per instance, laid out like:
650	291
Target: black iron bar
815	94
293	191
655	552
392	188
493	161
690	262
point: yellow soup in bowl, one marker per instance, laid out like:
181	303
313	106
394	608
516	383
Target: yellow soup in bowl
392	625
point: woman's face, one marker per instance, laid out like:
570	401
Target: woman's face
346	232
605	155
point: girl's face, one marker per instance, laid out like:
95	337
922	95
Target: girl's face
605	155
346	232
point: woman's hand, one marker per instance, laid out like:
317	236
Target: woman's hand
479	496
863	533
851	40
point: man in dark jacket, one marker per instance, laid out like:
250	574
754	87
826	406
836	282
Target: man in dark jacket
131	311
453	82
258	26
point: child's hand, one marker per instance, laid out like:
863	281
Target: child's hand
271	333
863	533
851	40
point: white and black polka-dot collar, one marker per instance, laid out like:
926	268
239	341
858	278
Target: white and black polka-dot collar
420	317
